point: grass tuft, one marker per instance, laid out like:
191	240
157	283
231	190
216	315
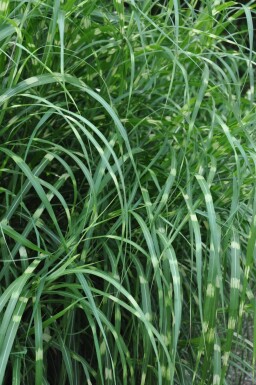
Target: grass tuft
127	195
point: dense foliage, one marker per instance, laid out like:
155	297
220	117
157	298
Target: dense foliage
127	195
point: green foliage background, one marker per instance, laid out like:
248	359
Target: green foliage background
127	195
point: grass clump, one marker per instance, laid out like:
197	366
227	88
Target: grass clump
127	165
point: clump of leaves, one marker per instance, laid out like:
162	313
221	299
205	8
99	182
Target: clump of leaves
127	192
